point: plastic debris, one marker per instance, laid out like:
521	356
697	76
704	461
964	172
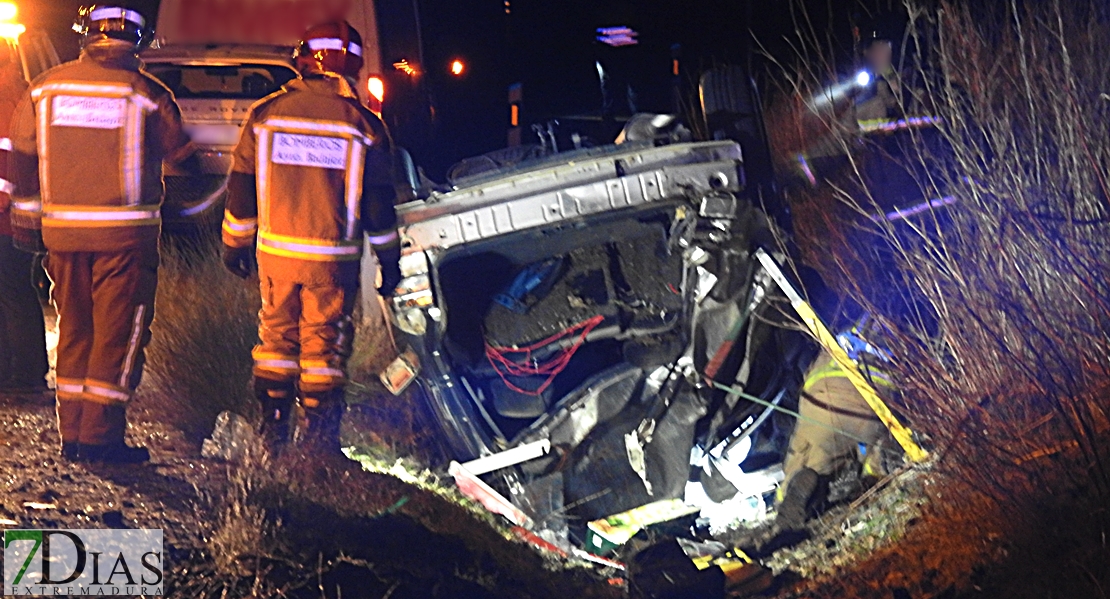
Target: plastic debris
609	533
401	372
474	488
35	505
231	438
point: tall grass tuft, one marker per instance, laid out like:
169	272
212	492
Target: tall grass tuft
199	358
998	305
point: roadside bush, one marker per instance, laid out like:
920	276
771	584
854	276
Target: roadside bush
998	305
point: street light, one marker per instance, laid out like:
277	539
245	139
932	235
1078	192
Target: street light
8	28
11	31
8	11
457	67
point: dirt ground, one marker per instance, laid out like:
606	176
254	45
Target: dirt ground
303	526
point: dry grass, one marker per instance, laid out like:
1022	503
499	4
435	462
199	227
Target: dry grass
199	359
998	308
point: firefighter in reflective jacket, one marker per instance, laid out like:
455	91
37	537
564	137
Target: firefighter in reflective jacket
311	175
835	421
23	364
89	141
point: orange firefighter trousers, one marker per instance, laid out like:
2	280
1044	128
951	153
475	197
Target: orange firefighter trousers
304	334
105	303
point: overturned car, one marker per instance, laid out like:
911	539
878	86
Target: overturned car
597	312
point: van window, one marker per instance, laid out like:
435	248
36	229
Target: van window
241	82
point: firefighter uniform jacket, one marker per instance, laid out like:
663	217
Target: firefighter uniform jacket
94	132
316	158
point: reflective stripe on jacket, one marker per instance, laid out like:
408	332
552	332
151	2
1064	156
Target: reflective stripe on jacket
314	154
827	367
100	128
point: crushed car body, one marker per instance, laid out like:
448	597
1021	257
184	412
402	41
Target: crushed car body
582	303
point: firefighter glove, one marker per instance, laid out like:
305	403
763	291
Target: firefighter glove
240	261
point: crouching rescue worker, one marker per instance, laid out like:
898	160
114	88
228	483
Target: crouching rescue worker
312	173
835	421
89	141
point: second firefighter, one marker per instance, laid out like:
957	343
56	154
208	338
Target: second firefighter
312	175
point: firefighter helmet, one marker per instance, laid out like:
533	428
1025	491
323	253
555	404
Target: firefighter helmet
333	47
104	23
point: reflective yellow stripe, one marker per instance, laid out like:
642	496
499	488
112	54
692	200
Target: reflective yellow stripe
70	224
258	354
354	188
238	232
28	207
309	241
303	248
321	371
70	216
315	364
239	224
69	389
385	239
106	393
829	370
44	158
321	379
132	345
281	366
308	256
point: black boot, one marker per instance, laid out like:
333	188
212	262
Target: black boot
794	509
71	451
324	412
113	453
277	399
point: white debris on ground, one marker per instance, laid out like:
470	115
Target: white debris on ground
748	508
231	440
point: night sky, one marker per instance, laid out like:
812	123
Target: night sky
549	46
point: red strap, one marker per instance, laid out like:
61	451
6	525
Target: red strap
505	367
